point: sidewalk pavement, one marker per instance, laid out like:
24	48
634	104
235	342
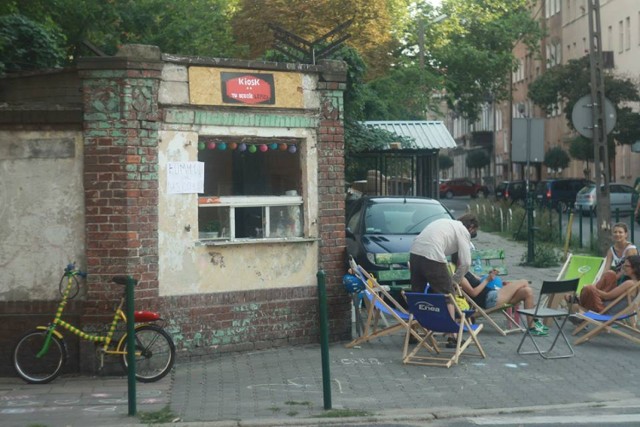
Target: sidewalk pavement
284	386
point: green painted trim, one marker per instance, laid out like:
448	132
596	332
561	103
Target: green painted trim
213	118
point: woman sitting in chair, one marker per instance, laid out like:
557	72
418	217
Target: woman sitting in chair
489	292
599	295
620	250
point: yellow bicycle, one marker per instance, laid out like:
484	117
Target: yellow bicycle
41	353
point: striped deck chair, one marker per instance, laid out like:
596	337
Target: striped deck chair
378	302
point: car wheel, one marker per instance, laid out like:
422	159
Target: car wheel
449	194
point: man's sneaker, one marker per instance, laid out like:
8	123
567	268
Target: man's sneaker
540	326
538	332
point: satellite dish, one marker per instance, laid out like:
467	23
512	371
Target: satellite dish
582	116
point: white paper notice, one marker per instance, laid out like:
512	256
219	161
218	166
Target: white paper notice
185	177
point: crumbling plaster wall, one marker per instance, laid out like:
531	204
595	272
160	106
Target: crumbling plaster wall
41	211
188	267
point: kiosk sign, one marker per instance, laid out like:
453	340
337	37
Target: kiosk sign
243	88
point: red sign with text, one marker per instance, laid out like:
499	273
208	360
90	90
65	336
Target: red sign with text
243	88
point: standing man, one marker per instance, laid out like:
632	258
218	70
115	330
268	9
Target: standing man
428	255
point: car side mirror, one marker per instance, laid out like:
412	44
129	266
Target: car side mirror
349	233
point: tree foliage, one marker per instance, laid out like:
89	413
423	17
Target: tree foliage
556	158
371	31
405	93
187	27
477	159
569	82
444	162
475	54
27	45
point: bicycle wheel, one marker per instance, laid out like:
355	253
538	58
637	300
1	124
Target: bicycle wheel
155	353
36	370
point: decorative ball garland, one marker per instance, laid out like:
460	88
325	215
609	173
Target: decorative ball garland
251	148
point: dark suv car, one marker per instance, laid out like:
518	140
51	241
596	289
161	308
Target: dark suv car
514	191
559	194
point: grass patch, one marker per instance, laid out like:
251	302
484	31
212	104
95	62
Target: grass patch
162	416
343	413
275	409
292	413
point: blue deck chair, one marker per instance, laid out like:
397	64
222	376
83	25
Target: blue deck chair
431	313
378	302
622	323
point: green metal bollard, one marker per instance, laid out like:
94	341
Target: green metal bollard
131	346
324	339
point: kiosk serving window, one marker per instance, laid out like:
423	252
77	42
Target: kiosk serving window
251	188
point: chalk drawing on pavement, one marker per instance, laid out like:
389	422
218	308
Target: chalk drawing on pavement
361	361
149	393
113	401
100	409
14	411
66	401
22	403
294	384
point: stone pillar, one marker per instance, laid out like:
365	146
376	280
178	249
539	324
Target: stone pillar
331	194
120	102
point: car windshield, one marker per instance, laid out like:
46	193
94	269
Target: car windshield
402	218
586	189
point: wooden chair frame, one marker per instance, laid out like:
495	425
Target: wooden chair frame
467	334
376	297
618	323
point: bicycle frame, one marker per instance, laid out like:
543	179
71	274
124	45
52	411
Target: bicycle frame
118	316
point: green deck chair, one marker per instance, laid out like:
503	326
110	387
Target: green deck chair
587	268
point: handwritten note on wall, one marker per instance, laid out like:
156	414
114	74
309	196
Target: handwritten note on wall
185	177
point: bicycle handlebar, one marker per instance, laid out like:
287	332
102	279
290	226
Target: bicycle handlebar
70	269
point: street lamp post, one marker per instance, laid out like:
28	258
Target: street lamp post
530	227
529	200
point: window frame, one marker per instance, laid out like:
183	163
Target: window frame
265	202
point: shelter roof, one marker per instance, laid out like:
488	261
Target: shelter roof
427	134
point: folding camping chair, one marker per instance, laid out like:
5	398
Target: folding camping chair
615	323
549	290
378	302
431	313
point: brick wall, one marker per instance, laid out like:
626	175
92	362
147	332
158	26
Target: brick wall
121	184
331	193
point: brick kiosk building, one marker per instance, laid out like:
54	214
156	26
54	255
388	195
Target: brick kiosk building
103	164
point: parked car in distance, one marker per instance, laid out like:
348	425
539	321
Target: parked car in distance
514	191
462	187
387	224
559	193
622	197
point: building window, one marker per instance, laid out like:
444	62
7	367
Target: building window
627	34
610	38
620	37
251	189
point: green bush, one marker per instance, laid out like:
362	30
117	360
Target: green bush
544	255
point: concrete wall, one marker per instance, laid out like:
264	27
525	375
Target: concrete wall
41	211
